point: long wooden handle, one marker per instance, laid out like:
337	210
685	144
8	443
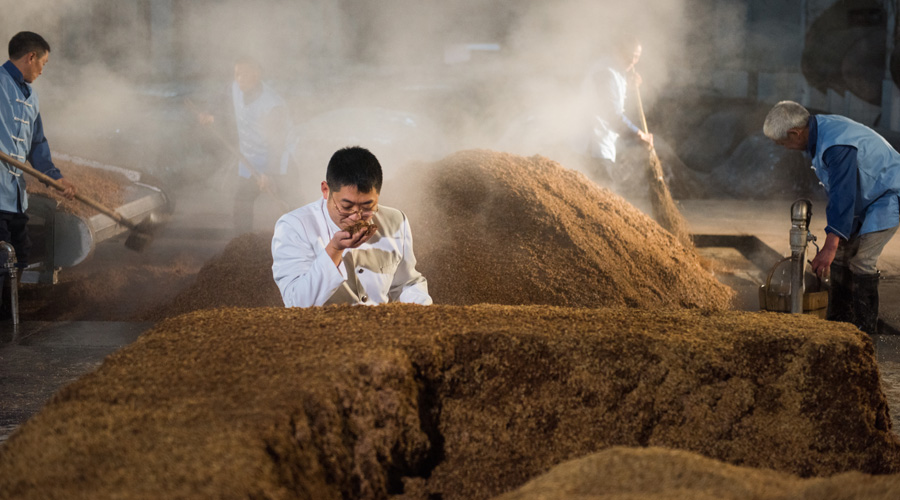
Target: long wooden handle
237	152
59	187
637	93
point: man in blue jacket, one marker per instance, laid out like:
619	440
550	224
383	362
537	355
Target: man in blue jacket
861	175
22	136
262	123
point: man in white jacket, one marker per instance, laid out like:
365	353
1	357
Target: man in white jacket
317	261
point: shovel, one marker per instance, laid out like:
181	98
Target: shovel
236	152
141	234
665	211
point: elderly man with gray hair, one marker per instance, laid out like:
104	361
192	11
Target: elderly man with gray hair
861	175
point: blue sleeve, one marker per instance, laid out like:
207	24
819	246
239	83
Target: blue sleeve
628	123
39	156
840	163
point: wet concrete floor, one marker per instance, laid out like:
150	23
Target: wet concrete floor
39	358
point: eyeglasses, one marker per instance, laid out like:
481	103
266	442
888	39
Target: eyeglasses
364	213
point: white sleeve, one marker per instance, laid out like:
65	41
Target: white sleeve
303	270
408	284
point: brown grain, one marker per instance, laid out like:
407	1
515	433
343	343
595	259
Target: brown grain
447	401
505	229
104	186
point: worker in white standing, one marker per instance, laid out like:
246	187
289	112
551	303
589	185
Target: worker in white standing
605	89
860	172
317	261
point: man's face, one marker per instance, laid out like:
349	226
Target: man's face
796	139
34	66
349	205
246	76
636	55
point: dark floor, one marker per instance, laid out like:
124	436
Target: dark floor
38	358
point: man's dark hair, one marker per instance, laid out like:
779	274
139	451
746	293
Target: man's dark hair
249	61
354	166
25	42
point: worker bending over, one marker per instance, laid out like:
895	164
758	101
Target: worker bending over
861	175
318	261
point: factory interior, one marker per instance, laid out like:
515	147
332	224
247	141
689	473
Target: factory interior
586	339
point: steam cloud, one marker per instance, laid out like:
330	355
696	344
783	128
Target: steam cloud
372	73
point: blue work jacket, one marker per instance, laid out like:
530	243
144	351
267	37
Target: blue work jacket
877	192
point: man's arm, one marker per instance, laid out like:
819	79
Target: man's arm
840	163
275	126
408	284
841	166
39	157
303	270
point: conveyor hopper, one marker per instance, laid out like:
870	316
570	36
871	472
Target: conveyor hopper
63	238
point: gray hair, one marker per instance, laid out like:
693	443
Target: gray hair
784	116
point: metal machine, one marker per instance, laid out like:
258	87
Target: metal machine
62	239
801	298
801	213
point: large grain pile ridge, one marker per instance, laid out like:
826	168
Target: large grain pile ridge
447	402
502	229
505	229
661	474
241	276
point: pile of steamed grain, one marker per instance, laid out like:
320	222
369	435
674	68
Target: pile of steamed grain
241	276
447	402
127	289
660	474
505	229
104	186
502	229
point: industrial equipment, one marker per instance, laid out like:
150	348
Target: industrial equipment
800	299
63	239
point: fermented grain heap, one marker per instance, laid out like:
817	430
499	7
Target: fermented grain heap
241	276
505	229
105	186
456	402
660	474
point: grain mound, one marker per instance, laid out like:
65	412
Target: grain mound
104	186
505	229
447	402
660	474
241	276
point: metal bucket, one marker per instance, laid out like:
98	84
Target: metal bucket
814	302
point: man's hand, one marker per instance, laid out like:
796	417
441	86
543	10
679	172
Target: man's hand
265	183
70	190
646	137
821	264
205	118
342	240
636	79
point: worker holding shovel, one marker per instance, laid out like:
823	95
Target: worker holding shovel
262	124
605	90
22	137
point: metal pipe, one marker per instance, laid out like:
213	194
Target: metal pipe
10	266
801	212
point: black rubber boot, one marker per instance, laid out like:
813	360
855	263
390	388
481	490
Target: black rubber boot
865	302
840	302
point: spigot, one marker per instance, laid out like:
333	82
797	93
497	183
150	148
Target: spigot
10	267
801	214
